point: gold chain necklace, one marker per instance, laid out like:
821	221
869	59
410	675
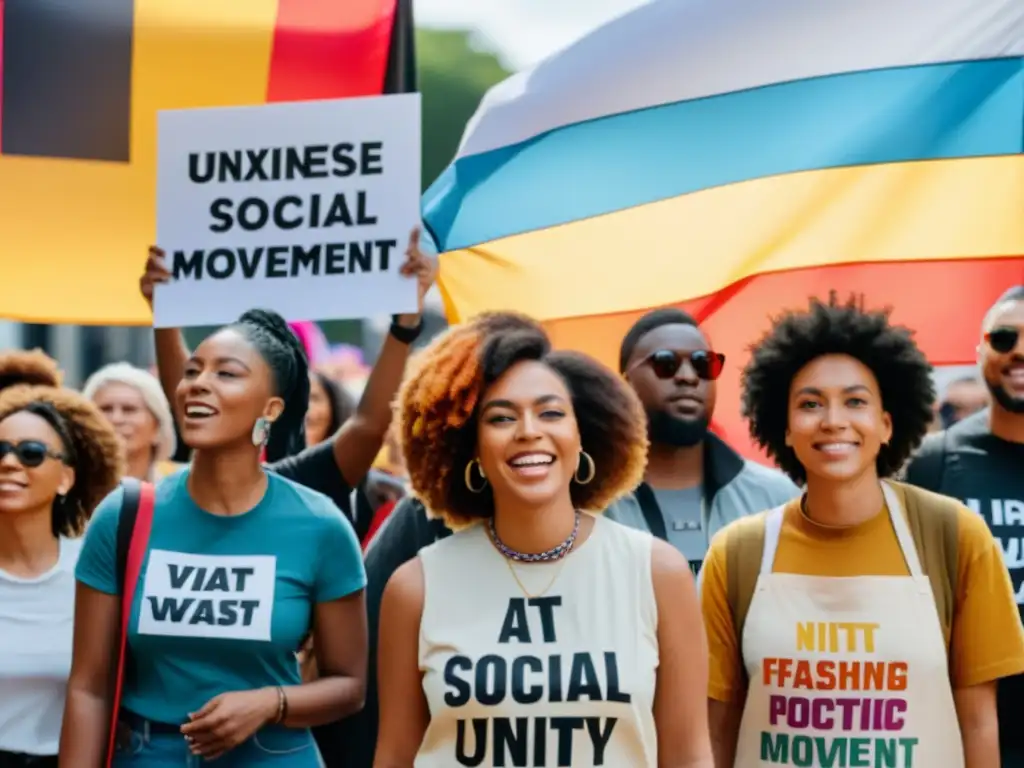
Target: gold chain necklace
522	587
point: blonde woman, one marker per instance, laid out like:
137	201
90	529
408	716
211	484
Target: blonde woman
135	405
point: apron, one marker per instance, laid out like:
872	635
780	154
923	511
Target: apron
846	671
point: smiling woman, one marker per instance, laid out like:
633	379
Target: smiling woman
58	459
858	572
519	446
241	560
133	402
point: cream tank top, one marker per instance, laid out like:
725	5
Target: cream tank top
561	676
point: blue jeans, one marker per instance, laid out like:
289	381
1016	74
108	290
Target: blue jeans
269	748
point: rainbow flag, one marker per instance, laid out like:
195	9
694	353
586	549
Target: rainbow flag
734	157
81	82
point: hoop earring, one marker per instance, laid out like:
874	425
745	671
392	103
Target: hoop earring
590	466
260	432
468	476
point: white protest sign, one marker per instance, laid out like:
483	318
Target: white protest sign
304	208
216	596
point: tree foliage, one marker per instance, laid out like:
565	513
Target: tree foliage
453	76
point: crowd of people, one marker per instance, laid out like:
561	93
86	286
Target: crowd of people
508	554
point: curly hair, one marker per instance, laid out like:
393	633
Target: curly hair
797	338
438	410
33	367
90	441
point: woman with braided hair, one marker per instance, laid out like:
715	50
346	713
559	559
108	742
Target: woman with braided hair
58	459
242	564
539	633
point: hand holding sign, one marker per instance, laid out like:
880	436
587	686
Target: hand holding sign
424	269
227	720
156	273
417	264
299	207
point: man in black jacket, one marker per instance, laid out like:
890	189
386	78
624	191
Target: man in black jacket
978	460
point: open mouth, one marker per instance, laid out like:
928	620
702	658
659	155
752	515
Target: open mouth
199	411
531	464
837	449
1015	373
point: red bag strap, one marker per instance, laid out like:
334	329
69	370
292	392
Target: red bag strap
136	554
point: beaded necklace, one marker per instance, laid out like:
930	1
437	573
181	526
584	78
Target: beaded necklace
556	553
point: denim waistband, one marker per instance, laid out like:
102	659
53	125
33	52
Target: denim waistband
141	725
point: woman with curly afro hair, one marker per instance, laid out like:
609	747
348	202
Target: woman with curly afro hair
58	459
539	633
875	613
32	367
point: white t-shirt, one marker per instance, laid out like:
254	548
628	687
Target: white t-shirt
36	623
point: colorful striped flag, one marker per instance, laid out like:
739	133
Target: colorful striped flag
81	82
734	157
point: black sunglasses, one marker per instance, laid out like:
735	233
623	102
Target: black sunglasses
31	453
666	363
1004	339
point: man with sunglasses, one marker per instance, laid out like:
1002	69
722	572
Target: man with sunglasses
980	460
695	483
964	397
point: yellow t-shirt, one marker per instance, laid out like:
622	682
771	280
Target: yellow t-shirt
986	638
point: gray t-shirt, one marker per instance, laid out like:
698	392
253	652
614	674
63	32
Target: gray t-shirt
681	509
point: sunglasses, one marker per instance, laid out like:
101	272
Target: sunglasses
1003	340
666	363
31	453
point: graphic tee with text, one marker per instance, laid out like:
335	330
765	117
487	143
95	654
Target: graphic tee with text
223	602
987	474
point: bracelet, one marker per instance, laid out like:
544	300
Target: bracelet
403	334
282	706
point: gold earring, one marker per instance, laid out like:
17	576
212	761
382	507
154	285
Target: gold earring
468	476
590	466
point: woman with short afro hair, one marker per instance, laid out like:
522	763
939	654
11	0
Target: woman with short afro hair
879	615
539	633
31	367
58	459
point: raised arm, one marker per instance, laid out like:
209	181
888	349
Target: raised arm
171	350
360	438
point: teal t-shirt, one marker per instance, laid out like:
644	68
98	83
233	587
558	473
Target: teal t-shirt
223	602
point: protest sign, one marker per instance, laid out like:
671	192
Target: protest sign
304	208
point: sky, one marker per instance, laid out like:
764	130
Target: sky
522	32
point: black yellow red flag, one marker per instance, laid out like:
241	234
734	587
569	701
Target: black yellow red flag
81	82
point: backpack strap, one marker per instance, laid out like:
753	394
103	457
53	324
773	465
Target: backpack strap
133	528
651	511
126	525
743	550
935	527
